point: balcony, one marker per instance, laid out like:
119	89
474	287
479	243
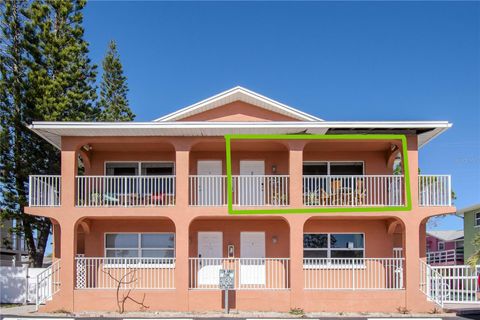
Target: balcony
434	190
44	191
254	190
125	191
353	191
247	191
444	257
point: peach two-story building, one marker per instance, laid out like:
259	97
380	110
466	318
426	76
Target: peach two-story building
324	221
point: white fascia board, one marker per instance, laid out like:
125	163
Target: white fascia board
474	207
53	131
204	124
181	113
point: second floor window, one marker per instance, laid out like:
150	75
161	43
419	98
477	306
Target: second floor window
139	168
477	219
339	168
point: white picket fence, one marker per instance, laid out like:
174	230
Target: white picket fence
434	190
353	273
353	191
250	273
129	273
44	191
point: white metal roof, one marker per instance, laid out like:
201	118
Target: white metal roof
53	131
238	94
446	235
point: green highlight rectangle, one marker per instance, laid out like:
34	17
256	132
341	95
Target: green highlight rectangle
402	138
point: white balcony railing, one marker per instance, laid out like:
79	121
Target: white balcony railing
353	191
263	190
129	273
434	190
44	191
434	257
208	190
125	191
353	273
250	273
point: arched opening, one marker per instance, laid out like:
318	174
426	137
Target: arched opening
255	248
439	246
353	253
140	251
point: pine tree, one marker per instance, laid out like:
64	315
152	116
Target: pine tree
45	75
16	141
62	77
113	89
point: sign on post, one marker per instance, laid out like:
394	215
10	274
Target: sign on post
226	282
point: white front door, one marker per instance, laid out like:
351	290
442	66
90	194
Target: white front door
251	180
210	250
210	185
252	259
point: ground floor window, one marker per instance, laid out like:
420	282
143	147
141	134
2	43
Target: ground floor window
140	245
333	245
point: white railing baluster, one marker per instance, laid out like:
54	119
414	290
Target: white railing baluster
104	273
126	191
250	273
353	273
44	191
353	191
47	283
434	190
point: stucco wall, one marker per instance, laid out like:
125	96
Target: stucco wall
470	230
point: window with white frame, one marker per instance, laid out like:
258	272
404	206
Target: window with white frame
139	168
140	245
477	219
441	246
333	245
333	168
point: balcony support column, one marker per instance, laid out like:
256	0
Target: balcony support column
182	225
296	223
295	171
64	299
182	169
412	151
415	300
69	160
182	222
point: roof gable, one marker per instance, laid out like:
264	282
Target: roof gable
238	94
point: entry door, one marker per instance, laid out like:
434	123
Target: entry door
210	249
252	262
210	190
251	188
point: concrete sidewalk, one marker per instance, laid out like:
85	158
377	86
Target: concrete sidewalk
29	311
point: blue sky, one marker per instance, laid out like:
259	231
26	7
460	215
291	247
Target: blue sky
339	61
